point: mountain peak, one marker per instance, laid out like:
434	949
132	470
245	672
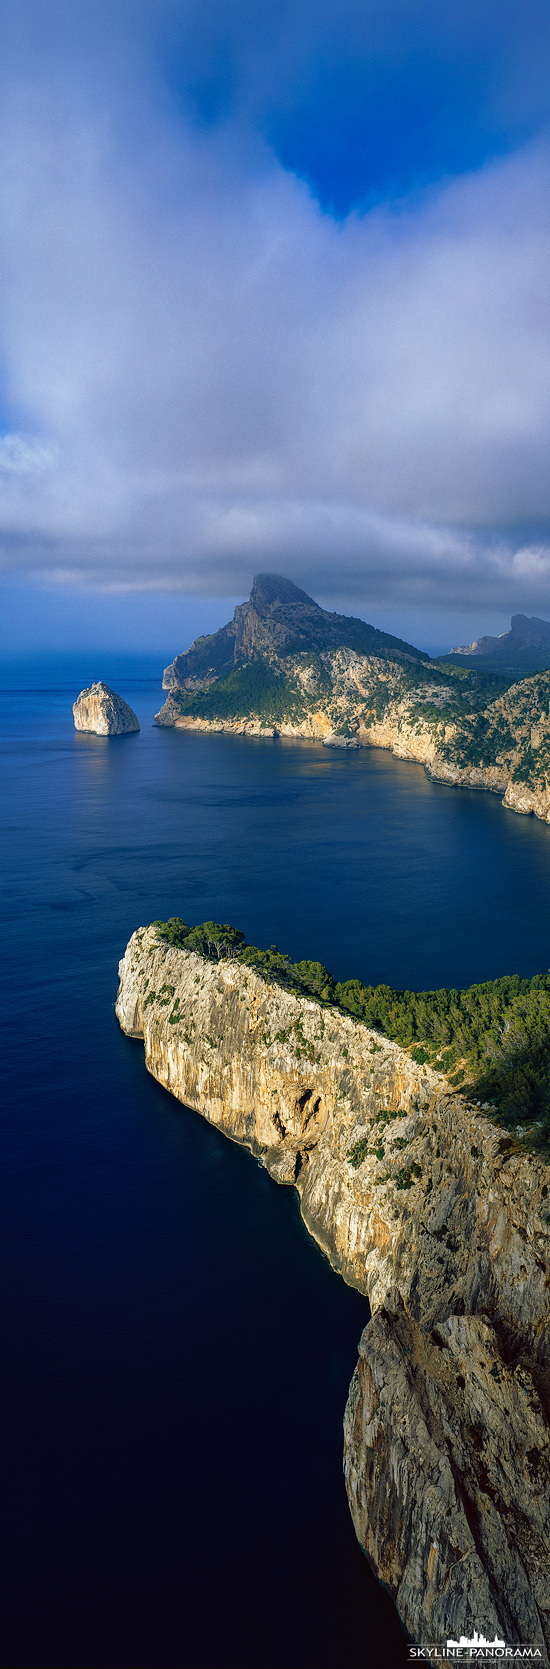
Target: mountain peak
529	632
279	619
526	646
268	589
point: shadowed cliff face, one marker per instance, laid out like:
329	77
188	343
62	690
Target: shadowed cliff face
447	1449
447	1461
524	649
279	619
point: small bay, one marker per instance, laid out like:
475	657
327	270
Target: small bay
178	1351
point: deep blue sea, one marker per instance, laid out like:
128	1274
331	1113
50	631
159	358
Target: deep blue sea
177	1352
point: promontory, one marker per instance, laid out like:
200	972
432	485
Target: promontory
284	666
102	711
433	1211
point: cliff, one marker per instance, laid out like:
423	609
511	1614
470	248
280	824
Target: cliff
523	650
102	711
278	619
421	1203
294	670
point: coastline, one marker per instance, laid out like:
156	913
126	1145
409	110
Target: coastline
405	740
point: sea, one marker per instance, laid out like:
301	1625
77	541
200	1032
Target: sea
177	1351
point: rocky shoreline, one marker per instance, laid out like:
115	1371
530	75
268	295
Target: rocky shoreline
441	1220
407	741
284	667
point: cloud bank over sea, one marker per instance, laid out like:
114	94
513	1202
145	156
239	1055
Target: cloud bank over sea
208	368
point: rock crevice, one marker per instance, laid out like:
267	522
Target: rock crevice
447	1445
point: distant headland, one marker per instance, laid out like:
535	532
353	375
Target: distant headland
284	666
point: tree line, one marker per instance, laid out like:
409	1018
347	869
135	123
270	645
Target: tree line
492	1040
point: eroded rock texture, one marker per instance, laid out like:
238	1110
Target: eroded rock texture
447	1461
443	1226
102	711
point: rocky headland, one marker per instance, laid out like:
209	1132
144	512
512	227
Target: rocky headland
102	711
286	667
522	650
443	1222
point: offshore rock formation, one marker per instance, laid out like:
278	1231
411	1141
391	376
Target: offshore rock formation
444	1225
100	710
285	667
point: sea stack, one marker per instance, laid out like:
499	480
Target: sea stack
102	711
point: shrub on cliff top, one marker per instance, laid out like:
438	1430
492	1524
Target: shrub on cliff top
216	940
174	931
498	1032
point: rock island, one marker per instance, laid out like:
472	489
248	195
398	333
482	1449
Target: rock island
102	711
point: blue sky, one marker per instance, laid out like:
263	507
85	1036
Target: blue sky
273	294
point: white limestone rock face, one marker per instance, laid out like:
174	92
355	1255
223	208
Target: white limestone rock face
102	711
443	1226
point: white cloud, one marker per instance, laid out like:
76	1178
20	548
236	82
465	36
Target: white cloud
21	456
208	375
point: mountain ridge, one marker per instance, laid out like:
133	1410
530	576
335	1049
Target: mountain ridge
290	669
524	649
278	618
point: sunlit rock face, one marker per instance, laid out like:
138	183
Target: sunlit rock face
102	711
285	667
442	1223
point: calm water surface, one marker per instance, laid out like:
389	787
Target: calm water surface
178	1352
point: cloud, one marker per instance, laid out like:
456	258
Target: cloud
204	374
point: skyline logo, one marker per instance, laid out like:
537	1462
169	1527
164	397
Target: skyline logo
477	1650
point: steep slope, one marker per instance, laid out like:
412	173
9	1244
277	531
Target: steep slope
289	678
506	747
419	1202
279	619
523	650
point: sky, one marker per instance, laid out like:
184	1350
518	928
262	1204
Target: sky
274	295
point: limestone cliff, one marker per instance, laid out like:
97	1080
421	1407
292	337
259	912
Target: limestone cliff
423	1205
357	700
285	667
102	711
278	619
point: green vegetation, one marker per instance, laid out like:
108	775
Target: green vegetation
270	692
493	1039
405	1177
477	688
254	690
480	740
358	1153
